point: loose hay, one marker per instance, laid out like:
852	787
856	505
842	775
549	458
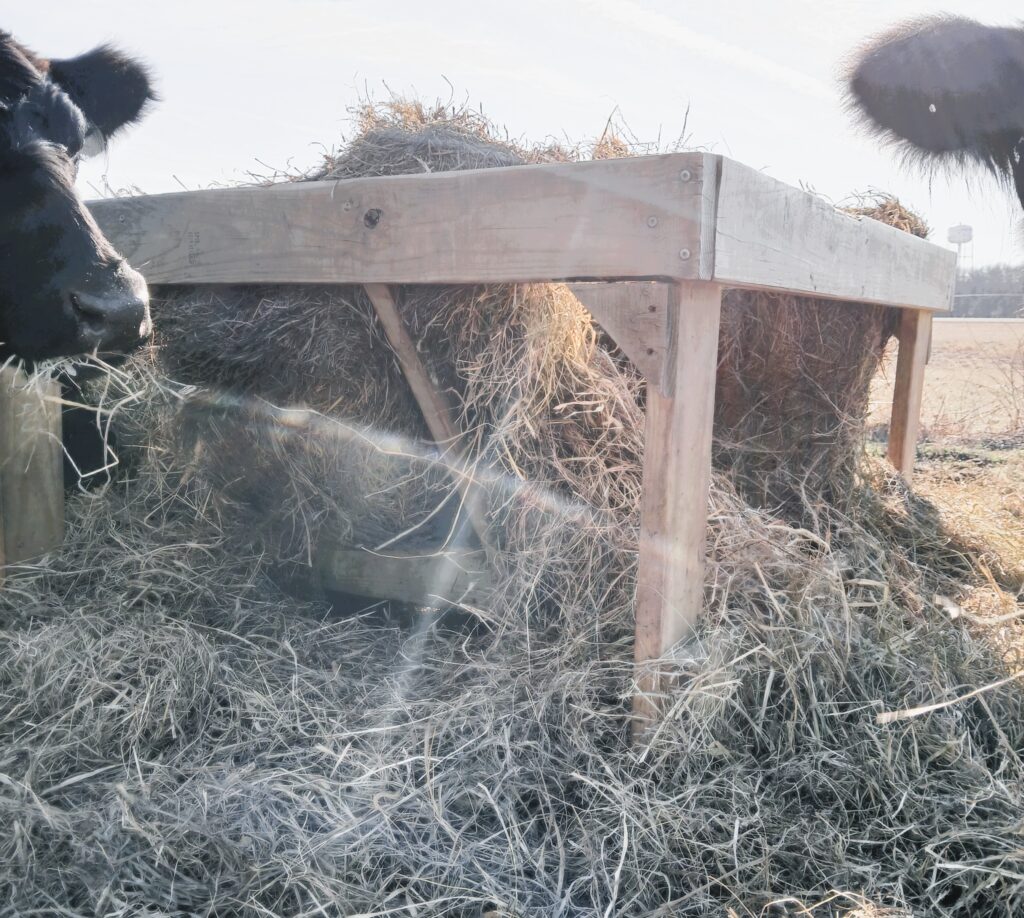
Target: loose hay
177	737
878	205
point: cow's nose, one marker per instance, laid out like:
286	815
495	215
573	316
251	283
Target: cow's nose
116	313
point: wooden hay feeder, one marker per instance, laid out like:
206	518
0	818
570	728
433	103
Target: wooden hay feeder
686	225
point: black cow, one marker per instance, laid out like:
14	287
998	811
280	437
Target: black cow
948	90
63	289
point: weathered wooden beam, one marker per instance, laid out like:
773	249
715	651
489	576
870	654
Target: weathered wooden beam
635	315
676	481
639	217
436	407
772	235
31	468
685	216
915	335
429	579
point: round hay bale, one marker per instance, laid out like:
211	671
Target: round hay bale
794	376
540	402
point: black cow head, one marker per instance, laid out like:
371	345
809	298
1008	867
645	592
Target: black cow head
63	289
947	89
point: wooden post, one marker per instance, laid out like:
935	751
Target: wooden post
676	479
437	412
914	334
31	468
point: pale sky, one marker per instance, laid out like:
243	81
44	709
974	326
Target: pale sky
245	83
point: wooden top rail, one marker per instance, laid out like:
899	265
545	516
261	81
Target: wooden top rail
772	235
627	217
680	216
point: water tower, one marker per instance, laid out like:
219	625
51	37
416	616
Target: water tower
960	235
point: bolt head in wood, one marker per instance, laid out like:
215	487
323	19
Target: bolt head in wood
684	254
686	175
652	222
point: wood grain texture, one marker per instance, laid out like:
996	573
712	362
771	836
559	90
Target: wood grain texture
774	236
915	335
676	480
635	316
674	216
610	218
31	468
436	407
424	579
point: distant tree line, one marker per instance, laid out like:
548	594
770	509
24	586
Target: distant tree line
993	291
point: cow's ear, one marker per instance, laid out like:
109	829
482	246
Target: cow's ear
111	89
946	85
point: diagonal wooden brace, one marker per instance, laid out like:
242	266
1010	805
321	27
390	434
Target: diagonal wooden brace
437	410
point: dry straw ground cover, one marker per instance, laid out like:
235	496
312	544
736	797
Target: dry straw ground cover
178	736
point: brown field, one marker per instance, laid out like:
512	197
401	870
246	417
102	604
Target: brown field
974	386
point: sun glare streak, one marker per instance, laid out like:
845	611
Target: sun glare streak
286	423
